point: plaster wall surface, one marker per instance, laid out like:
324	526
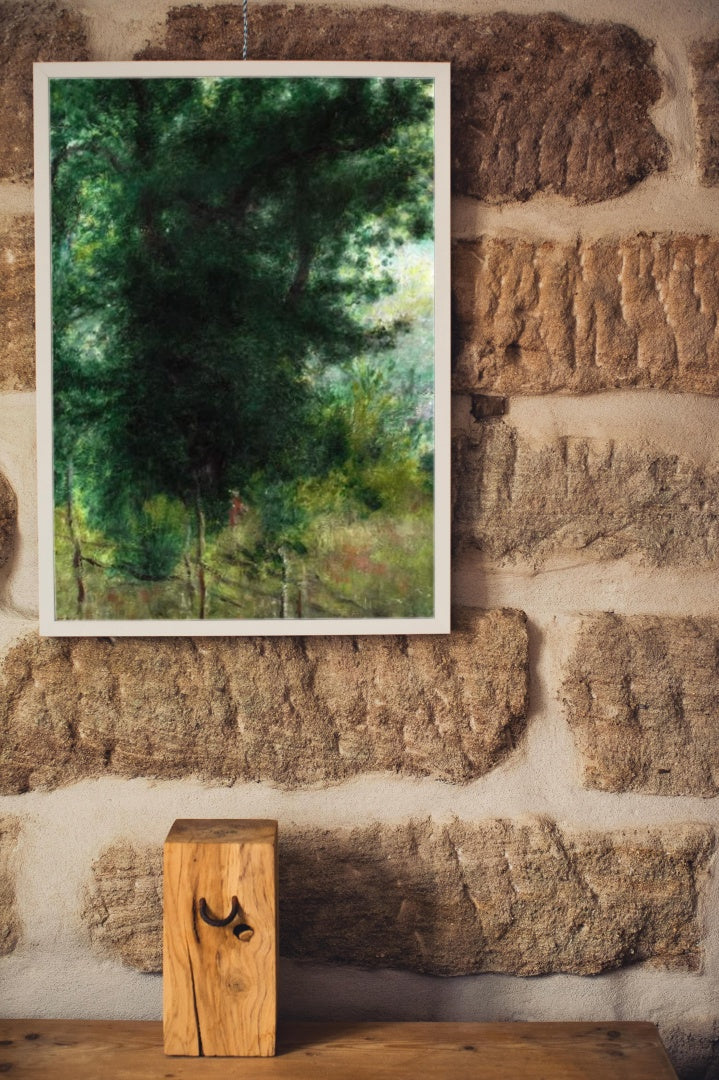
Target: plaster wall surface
55	972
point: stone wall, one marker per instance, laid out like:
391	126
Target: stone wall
534	794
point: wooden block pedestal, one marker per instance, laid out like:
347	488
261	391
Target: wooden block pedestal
220	938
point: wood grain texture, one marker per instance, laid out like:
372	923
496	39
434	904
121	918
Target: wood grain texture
84	1050
220	987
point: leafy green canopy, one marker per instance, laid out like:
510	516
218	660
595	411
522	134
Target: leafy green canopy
211	258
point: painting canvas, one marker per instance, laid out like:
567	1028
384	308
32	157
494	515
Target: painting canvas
243	348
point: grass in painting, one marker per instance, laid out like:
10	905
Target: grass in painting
243	347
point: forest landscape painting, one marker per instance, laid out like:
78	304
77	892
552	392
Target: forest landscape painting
238	351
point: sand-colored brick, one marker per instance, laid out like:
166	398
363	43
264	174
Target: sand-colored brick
705	63
29	33
523	897
8	519
17	304
291	711
642	698
9	916
539	102
517	500
538	317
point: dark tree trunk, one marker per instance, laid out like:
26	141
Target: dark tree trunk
76	548
201	583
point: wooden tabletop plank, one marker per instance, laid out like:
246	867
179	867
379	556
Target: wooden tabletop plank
123	1050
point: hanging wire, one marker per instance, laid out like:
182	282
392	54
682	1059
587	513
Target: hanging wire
244	29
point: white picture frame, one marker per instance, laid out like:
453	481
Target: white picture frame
56	333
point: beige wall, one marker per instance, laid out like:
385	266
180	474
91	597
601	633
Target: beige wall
617	490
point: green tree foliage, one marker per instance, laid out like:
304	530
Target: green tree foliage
216	247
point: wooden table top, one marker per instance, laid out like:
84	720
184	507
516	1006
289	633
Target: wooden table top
123	1050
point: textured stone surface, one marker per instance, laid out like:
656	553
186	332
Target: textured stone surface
293	711
522	897
532	318
9	920
17	305
8	519
705	61
29	33
516	500
539	102
123	904
642	697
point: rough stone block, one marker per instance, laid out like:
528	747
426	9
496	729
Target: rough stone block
17	305
705	61
642	698
515	500
520	897
289	710
539	102
533	318
123	904
8	519
9	919
29	33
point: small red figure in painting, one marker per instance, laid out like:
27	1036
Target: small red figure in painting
237	508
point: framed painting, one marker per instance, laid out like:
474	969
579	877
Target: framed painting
243	340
